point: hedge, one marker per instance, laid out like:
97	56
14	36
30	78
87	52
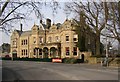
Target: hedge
64	60
30	59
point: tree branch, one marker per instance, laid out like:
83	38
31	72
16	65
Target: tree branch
4	6
13	11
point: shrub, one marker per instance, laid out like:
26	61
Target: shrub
73	60
5	58
69	60
118	55
118	61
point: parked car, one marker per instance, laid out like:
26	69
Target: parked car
57	60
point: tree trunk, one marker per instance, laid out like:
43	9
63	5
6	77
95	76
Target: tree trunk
118	47
98	44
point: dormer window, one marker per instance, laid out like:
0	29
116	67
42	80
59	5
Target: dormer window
38	28
57	38
14	43
34	29
41	39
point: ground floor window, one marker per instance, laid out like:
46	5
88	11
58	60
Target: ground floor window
74	50
34	51
14	54
40	51
24	52
67	51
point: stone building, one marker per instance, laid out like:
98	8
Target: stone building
46	41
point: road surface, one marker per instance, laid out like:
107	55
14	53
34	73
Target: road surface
29	70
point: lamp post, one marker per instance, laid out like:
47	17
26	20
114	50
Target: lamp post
45	35
106	47
106	59
104	62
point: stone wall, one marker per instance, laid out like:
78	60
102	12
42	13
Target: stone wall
92	60
112	62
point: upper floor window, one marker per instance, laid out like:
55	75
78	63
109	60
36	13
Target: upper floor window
24	42
34	39
50	39
75	38
41	40
67	38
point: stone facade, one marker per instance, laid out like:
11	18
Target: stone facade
46	41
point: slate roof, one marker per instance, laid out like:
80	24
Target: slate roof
26	33
19	32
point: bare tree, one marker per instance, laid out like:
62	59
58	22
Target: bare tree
113	26
95	17
12	11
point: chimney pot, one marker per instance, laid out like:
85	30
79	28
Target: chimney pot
48	23
41	21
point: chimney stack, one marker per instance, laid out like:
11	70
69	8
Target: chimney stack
21	27
48	23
